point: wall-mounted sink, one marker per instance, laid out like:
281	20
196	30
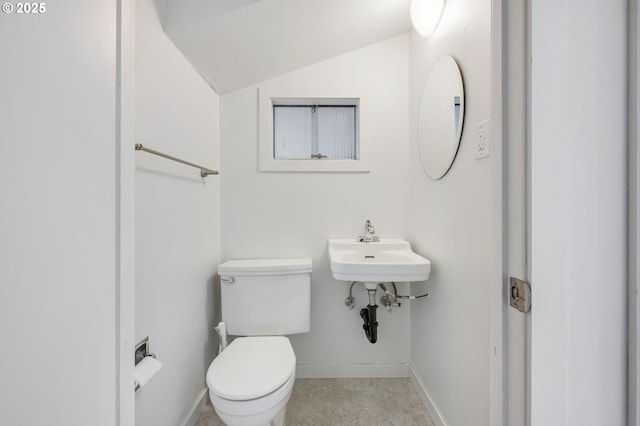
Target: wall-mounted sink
387	260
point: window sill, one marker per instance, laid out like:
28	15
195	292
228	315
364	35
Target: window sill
271	165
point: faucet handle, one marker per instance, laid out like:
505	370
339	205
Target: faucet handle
367	235
369	227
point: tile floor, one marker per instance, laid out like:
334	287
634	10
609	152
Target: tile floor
347	402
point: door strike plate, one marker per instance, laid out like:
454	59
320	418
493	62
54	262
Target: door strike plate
519	295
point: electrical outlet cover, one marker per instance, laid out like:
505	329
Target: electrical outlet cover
483	140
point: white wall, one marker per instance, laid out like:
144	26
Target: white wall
450	222
258	40
272	214
58	246
177	223
578	217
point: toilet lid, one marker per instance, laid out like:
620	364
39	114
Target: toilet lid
251	367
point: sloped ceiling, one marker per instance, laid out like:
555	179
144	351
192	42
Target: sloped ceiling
237	43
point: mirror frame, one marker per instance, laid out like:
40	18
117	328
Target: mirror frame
429	142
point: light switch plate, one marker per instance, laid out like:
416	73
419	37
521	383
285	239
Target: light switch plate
483	140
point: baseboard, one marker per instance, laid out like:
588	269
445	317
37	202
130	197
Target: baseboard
423	392
197	407
354	371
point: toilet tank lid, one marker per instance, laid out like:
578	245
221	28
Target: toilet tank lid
265	267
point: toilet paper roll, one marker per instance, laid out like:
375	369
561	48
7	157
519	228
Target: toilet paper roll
145	370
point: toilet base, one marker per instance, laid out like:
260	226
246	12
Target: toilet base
228	420
279	419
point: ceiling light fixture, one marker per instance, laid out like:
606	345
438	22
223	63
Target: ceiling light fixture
425	15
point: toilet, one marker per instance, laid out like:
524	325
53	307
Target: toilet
262	300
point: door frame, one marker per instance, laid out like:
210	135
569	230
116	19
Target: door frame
498	317
125	217
633	118
510	401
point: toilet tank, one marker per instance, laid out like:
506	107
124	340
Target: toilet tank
263	297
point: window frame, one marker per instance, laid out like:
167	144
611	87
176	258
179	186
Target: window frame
268	97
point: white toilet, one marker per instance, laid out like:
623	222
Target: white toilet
250	382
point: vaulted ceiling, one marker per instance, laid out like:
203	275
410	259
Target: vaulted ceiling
237	43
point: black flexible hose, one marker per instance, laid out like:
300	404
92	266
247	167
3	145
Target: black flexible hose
370	325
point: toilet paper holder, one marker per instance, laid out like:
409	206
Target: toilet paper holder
142	351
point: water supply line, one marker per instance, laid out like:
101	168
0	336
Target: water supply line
350	301
399	296
389	298
221	329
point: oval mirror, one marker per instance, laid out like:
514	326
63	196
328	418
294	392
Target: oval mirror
440	117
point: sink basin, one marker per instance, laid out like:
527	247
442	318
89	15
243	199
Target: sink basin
387	260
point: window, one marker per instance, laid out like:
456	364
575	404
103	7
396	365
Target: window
302	133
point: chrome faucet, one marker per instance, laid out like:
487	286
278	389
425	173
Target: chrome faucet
368	236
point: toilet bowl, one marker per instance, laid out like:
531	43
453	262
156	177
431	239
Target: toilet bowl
251	381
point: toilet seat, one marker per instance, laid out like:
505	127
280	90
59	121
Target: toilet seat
251	368
255	411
